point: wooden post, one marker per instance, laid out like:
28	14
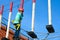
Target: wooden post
33	14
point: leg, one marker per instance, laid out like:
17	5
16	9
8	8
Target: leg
16	35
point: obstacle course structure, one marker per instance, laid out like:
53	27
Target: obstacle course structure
17	21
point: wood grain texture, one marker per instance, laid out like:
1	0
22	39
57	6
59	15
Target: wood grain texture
11	33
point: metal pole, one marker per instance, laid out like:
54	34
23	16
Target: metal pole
33	14
7	33
49	12
1	11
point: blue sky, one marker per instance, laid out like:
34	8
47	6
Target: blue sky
41	16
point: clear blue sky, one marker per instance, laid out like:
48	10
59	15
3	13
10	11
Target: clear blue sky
41	16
